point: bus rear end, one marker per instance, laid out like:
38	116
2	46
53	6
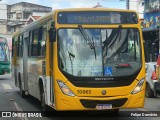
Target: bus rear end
4	57
98	60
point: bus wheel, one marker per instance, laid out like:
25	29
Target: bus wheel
21	90
43	102
149	92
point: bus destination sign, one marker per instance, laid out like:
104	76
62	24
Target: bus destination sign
100	17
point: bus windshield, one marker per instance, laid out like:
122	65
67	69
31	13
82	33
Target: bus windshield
99	52
4	52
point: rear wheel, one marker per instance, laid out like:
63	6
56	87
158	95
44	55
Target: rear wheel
22	92
43	103
42	96
149	92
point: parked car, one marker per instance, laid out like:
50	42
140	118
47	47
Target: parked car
157	88
151	79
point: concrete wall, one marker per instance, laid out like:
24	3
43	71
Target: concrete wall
137	6
3	11
3	18
39	13
141	10
15	15
3	28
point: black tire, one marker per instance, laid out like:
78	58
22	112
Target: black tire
22	93
43	102
44	106
149	92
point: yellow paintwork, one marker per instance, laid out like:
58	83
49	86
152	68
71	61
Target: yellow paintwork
64	102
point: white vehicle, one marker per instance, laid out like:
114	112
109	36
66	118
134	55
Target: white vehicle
151	79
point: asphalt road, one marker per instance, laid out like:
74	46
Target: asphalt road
10	100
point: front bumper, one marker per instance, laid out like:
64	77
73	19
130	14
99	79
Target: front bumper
64	102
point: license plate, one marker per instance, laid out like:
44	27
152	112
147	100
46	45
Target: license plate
103	106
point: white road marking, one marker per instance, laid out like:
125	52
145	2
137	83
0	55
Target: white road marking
20	110
6	86
17	107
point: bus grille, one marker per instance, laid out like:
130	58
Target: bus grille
93	103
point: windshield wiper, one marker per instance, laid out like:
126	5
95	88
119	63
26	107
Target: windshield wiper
73	56
88	40
112	39
135	40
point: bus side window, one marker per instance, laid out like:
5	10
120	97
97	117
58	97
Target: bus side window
34	42
18	46
39	41
30	43
21	46
12	46
40	46
52	32
15	46
43	41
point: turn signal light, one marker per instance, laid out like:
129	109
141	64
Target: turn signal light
154	76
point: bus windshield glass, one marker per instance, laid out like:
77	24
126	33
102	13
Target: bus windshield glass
4	51
99	52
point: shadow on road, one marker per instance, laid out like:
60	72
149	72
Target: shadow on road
32	101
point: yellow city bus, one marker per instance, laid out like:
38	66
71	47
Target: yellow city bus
82	59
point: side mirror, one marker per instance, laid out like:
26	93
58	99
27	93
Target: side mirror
52	34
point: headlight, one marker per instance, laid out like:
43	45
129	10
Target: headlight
138	87
64	88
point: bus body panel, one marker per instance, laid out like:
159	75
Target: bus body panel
54	96
73	103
